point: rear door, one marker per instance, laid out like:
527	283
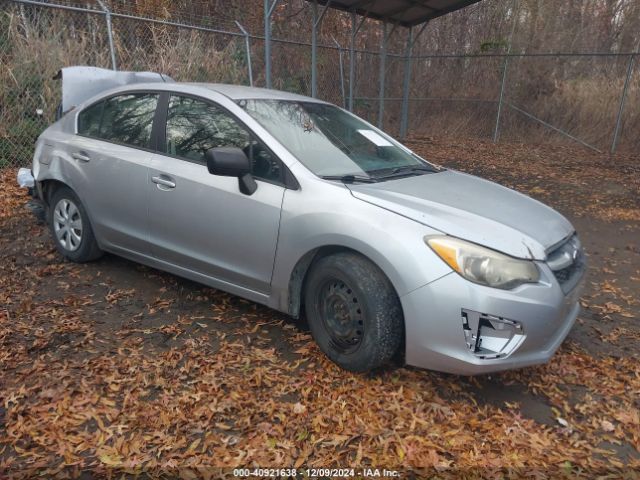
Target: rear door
203	222
112	152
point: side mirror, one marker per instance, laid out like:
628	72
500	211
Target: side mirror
232	162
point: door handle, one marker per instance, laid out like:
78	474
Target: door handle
81	156
164	182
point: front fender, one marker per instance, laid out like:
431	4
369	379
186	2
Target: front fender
394	243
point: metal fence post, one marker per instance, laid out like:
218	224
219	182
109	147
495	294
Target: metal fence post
404	117
112	50
269	7
314	47
315	23
625	89
341	60
23	17
352	61
352	73
383	58
496	130
383	70
247	46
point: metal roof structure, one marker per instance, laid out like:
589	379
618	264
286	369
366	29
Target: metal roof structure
406	13
397	13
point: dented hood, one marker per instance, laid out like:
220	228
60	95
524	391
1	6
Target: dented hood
473	209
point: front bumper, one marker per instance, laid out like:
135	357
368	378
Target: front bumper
437	317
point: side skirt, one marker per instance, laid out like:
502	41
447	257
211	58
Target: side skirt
212	282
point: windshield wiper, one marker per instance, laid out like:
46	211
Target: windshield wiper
350	178
407	170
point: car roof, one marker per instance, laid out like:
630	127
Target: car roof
234	92
239	92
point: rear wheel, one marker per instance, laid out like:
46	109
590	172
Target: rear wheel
70	227
353	312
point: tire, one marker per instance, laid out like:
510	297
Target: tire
70	227
353	312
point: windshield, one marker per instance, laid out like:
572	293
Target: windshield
331	142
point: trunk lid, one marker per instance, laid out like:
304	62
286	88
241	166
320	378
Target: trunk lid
80	83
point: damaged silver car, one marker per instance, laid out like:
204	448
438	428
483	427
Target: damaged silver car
299	205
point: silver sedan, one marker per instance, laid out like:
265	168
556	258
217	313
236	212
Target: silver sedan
299	205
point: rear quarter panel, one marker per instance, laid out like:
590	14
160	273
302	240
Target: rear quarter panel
52	158
52	161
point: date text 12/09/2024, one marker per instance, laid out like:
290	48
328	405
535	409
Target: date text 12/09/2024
315	472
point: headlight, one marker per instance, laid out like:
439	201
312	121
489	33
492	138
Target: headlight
483	265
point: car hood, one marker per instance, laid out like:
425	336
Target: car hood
473	209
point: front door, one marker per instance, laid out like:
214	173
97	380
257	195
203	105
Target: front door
203	222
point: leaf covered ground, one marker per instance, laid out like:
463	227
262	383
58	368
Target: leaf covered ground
111	367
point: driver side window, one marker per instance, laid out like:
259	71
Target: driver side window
194	126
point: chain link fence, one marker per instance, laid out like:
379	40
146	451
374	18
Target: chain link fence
575	97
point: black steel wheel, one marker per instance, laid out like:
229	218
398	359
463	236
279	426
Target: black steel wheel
341	314
353	311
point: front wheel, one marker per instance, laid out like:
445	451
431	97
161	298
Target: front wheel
70	227
353	312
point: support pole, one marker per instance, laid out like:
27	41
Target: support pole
404	120
23	17
623	100
341	60
404	116
269	7
314	48
112	50
315	24
247	47
505	66
352	67
352	54
383	71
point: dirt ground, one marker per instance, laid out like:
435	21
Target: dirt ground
112	367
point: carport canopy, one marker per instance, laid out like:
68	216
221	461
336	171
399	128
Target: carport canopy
406	13
403	13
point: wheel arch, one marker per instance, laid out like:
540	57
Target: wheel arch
302	267
87	248
49	186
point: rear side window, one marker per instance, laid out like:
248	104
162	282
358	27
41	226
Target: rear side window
124	119
89	120
128	119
